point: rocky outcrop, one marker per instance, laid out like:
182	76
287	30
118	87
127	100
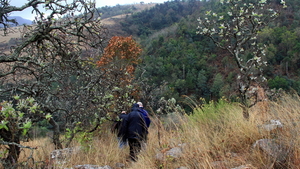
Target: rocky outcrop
61	156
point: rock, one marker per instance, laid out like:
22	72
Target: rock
183	147
120	165
89	166
273	149
159	156
175	152
273	125
60	156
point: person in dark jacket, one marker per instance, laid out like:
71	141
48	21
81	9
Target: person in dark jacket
135	130
120	135
117	128
145	113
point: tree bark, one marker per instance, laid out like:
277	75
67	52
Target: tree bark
56	133
13	150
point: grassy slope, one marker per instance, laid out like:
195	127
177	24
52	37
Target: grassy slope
14	32
217	137
111	21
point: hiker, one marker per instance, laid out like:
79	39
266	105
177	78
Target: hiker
145	113
117	129
135	130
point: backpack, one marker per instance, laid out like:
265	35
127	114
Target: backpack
116	126
146	116
118	123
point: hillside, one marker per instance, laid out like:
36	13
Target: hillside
112	17
189	64
15	29
14	32
19	20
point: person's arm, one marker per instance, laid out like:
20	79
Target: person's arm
123	129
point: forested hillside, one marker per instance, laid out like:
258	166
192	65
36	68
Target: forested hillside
181	62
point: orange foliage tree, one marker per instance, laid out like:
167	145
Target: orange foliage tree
118	61
120	57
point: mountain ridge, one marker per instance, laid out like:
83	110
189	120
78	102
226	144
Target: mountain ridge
20	21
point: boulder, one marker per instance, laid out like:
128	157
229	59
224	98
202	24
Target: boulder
175	152
61	156
272	148
272	125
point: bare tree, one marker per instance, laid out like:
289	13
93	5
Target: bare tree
235	30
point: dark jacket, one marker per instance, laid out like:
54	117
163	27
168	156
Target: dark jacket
146	116
118	125
122	118
134	125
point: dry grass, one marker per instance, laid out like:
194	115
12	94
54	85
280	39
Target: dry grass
13	32
217	137
112	20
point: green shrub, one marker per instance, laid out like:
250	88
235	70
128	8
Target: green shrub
278	82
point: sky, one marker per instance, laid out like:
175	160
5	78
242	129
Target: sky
26	14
